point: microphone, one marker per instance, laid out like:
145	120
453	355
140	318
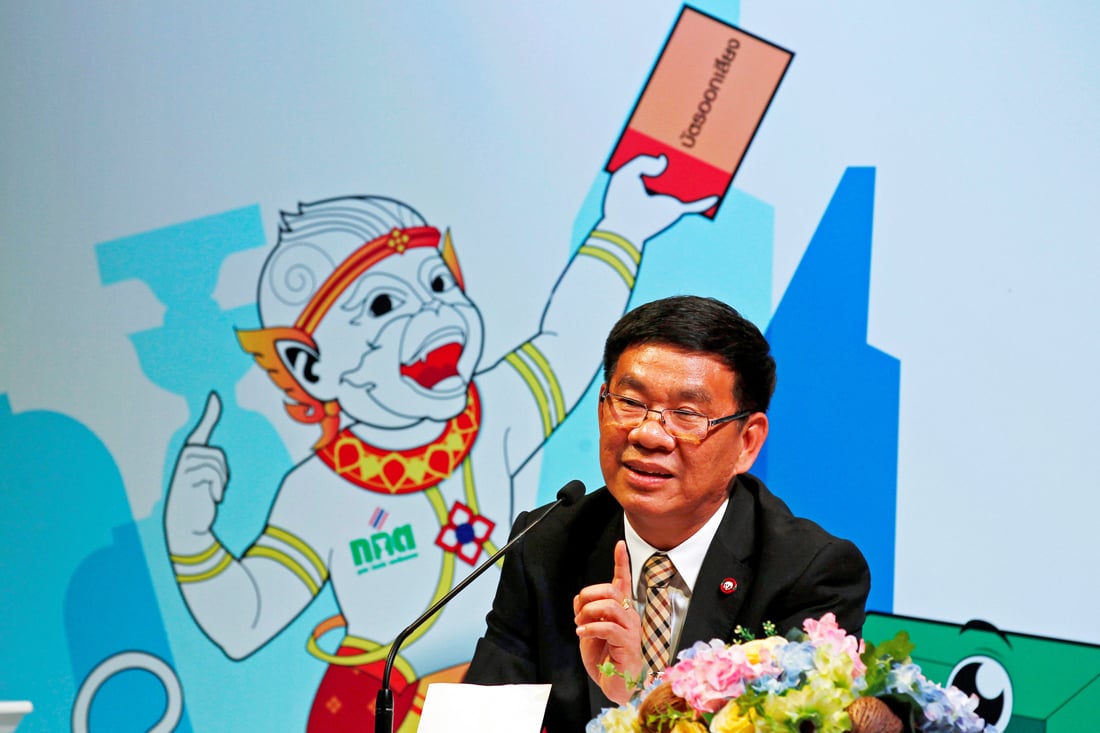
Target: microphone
383	704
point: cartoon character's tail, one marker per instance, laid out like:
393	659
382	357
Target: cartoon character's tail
121	662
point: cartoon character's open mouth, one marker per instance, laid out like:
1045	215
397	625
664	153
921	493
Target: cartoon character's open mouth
435	366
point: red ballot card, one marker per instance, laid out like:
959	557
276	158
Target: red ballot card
702	105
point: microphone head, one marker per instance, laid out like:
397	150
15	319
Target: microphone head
572	491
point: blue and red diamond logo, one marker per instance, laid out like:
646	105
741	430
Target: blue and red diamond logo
465	533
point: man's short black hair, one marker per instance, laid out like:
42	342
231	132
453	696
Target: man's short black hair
702	325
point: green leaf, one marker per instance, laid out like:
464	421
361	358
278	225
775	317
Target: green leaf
881	658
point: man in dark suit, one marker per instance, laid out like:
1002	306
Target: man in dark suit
687	383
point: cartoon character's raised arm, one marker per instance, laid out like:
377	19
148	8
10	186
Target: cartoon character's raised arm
223	592
558	363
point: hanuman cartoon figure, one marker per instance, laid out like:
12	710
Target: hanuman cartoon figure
368	330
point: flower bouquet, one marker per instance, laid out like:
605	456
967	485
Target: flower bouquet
817	680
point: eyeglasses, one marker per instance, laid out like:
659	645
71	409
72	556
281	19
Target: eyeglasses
681	424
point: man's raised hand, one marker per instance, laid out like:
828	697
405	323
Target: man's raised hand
610	629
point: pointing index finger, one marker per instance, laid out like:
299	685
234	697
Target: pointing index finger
205	427
622	579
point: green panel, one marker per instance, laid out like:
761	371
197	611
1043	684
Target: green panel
1054	684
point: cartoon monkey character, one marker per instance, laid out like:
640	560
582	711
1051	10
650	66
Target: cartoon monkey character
368	330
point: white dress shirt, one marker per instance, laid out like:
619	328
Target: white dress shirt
687	557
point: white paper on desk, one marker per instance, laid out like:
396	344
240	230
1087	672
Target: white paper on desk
462	708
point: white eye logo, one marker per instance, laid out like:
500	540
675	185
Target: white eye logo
988	679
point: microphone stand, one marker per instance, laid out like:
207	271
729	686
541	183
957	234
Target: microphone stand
383	704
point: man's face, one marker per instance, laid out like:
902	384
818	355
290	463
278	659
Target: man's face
401	344
669	487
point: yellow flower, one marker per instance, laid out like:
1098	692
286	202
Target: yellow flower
730	720
833	666
620	720
754	650
689	726
818	702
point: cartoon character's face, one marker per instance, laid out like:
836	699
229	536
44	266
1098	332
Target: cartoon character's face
400	344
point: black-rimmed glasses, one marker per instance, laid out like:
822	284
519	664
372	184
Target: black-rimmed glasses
678	422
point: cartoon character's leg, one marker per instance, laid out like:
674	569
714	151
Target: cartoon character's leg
345	699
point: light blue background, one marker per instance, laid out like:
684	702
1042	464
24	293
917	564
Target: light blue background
914	225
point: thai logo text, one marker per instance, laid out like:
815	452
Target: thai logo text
383	548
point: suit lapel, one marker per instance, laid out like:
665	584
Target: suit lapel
714	606
599	569
601	560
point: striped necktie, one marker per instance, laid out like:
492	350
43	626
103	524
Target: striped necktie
657	620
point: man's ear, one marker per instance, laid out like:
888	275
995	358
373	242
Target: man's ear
753	434
599	402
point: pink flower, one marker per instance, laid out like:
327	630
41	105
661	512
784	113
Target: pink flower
826	632
709	675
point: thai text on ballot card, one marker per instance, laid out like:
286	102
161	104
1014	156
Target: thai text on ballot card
702	105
